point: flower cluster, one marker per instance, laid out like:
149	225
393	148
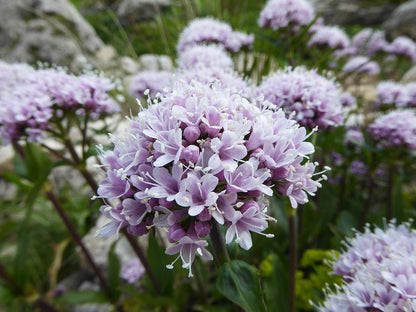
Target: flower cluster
30	98
361	64
202	155
209	30
395	129
395	95
331	37
369	42
132	270
379	272
206	56
403	46
283	13
154	81
314	98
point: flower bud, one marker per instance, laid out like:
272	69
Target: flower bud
175	233
202	228
190	153
191	133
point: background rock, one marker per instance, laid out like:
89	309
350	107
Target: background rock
49	31
353	12
134	11
402	21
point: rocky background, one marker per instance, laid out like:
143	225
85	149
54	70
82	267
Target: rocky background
56	32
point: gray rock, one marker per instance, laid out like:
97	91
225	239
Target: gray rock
44	30
153	62
410	75
353	12
402	21
134	11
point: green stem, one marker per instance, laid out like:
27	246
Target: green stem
390	193
293	257
218	245
78	240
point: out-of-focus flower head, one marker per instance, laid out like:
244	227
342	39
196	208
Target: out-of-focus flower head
201	154
361	64
226	79
154	81
354	136
395	129
30	98
403	46
379	272
392	94
331	37
205	56
314	98
132	270
348	100
369	42
286	13
209	30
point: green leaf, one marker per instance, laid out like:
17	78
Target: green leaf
113	272
82	296
158	260
238	282
6	295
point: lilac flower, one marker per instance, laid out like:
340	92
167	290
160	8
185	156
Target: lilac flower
332	37
379	272
353	136
132	270
209	30
369	42
189	158
395	129
347	99
314	98
361	64
248	219
187	247
392	94
154	81
205	56
283	13
357	167
403	46
31	98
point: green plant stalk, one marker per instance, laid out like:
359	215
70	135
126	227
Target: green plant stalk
218	245
78	240
390	193
293	258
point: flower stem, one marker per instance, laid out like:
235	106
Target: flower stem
293	257
390	193
218	245
77	238
140	254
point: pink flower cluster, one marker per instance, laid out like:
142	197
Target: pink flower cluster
204	154
209	30
396	129
283	13
379	271
30	98
396	95
314	99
